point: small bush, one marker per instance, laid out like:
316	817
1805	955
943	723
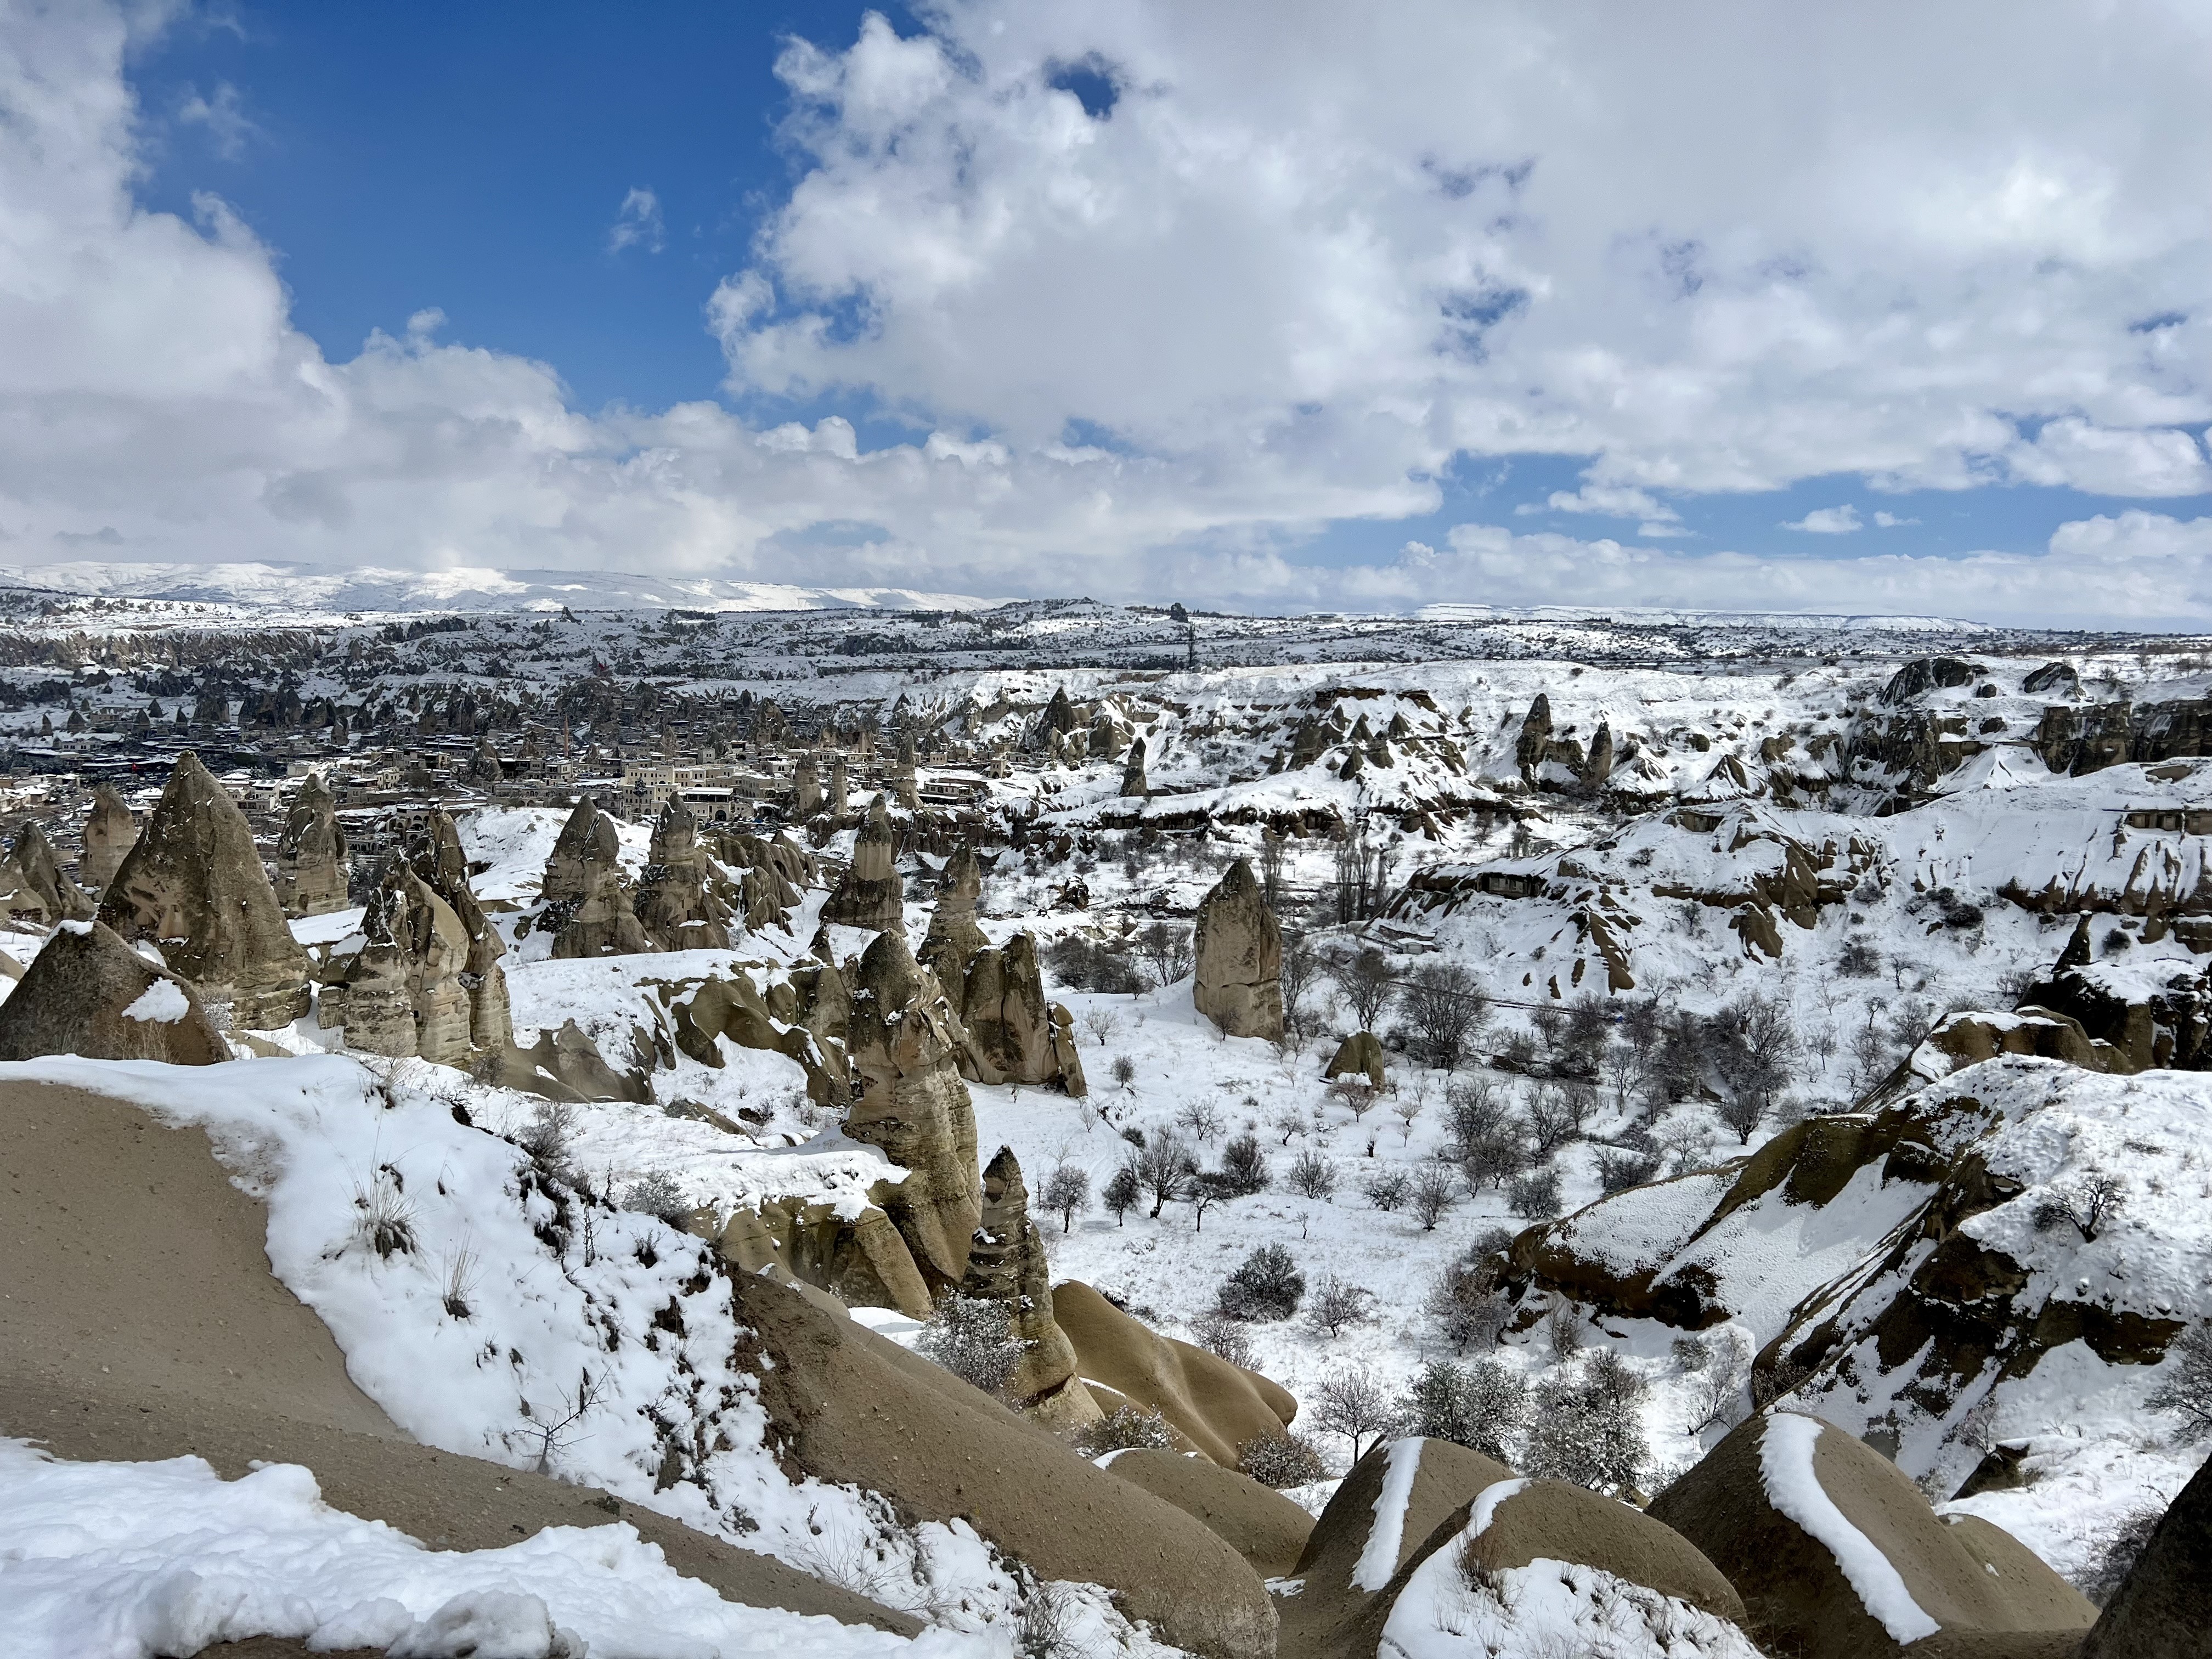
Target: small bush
2188	1391
1337	1303
1469	1303
973	1338
1313	1175
657	1195
1534	1196
1434	1191
1692	1354
1619	1171
1587	1427
1281	1460
1223	1337
1266	1286
1481	1406
2119	1549
1386	1187
1129	1427
1244	1166
551	1136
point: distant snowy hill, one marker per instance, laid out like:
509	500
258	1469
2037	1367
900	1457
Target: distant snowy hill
1664	617
372	590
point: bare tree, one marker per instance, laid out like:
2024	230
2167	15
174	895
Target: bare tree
2189	1390
1551	1122
1406	1108
1066	1190
1302	968
1753	1044
1363	877
1164	1170
1365	982
2087	1206
1445	1007
1102	1023
1271	869
1165	952
1353	1404
1434	1191
1336	1304
1121	1193
1125	1070
1202	1118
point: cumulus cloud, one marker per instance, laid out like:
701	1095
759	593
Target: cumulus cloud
1891	521
1302	266
638	223
223	116
1828	521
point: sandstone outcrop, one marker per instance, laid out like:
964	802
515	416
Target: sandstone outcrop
870	894
863	1260
851	1406
310	852
194	885
87	992
401	993
1752	1504
677	905
775	871
1006	1264
438	858
1239	948
1012	1034
1261	1525
587	909
1134	787
33	891
1213	1404
805	789
110	827
1359	1054
904	1042
775	1023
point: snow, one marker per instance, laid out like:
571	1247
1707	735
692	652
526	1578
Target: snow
161	1003
1793	1486
131	1560
1486	1505
1379	1559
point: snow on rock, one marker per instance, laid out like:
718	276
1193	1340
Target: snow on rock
1793	1487
1379	1559
131	1560
161	1003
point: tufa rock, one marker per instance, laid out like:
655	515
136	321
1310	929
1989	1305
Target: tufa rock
1261	1525
401	993
805	789
311	854
32	889
1359	1054
1006	1264
587	909
870	894
437	858
2159	1610
87	992
194	885
1133	784
109	830
902	1041
677	906
1239	948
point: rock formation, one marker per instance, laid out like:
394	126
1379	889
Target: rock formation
870	894
401	993
109	830
587	909
676	904
903	1043
1359	1054
840	790
194	885
1133	784
1006	1263
1748	1506
862	1261
437	858
1239	948
851	1406
33	891
775	871
737	1009
1215	1406
1012	1034
310	852
87	992
805	789
1261	1525
2158	1611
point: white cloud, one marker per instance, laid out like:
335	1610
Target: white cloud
638	223
1828	521
223	116
1294	273
1891	521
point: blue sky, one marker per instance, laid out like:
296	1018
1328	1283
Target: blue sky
1269	305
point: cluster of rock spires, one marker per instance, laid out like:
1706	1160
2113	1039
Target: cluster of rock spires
1012	1034
311	854
870	894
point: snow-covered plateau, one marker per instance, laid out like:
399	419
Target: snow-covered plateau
847	1077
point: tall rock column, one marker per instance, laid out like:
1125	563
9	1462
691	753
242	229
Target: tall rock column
1133	786
110	829
869	894
1007	1263
674	904
1239	947
806	790
439	859
901	1041
311	854
194	885
586	907
32	888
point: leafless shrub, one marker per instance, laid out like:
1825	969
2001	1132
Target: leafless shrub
551	1430
1337	1303
1281	1460
1352	1403
462	1271
385	1218
1223	1337
1434	1191
2188	1391
1312	1175
2087	1206
973	1338
1128	1427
